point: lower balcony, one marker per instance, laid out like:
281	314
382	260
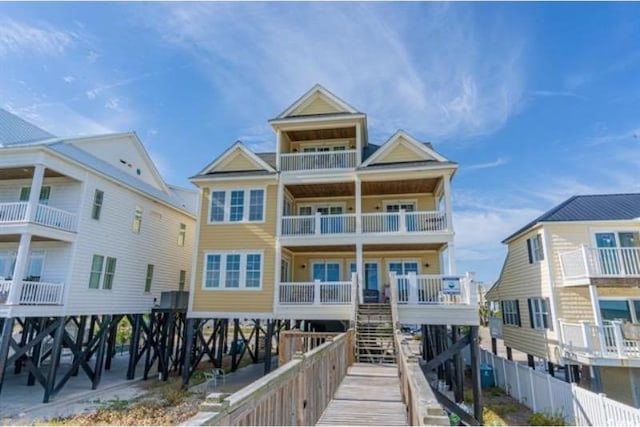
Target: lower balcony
317	300
581	265
612	344
16	213
32	292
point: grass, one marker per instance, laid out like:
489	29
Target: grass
541	419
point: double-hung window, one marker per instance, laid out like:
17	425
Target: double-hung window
149	278
539	314
98	267
98	197
45	192
534	248
182	280
237	206
182	233
238	270
137	220
109	273
96	271
511	312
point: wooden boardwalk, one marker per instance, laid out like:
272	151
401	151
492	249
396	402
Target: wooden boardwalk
368	395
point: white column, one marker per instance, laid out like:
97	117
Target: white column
279	208
358	185
595	304
22	260
278	148
34	195
413	288
358	145
277	279
451	259
448	209
359	270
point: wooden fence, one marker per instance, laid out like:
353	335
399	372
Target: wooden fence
292	342
294	394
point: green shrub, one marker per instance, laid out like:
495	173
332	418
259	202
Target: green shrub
542	419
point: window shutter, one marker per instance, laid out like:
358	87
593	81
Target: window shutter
530	303
529	251
547	319
518	311
504	321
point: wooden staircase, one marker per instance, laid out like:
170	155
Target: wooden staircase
374	334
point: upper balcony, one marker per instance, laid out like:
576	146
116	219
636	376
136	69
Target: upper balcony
580	266
318	160
16	213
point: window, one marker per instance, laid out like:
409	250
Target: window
98	196
403	267
256	205
511	312
534	247
182	233
237	206
96	271
232	271
109	272
137	220
45	192
539	314
149	278
326	271
616	310
182	280
285	270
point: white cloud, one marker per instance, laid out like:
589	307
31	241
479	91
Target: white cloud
113	104
20	38
498	162
556	93
69	79
370	55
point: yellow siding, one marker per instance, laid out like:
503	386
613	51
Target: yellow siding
402	153
318	106
521	280
259	236
565	238
574	304
238	163
616	384
305	274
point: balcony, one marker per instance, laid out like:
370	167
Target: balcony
324	160
317	299
33	292
372	223
580	265
600	345
16	213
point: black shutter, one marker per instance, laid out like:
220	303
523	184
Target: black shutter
529	251
518	311
502	310
533	326
547	319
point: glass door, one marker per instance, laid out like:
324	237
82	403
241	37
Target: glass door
393	221
607	255
326	271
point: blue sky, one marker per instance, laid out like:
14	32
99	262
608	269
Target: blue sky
537	102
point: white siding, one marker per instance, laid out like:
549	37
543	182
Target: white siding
56	258
65	193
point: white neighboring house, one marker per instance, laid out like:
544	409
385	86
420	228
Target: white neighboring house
87	225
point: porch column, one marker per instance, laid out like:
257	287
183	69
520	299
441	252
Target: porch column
278	148
448	209
358	145
278	278
358	205
278	255
22	260
359	270
34	194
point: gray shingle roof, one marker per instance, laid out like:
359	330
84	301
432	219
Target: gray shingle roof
593	207
269	158
14	130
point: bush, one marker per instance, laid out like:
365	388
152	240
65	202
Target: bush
542	419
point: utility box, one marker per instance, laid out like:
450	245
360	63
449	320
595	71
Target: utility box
176	300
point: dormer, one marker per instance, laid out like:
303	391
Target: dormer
319	131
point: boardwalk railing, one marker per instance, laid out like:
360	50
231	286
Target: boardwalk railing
294	394
543	393
590	340
45	215
588	262
292	342
318	224
33	293
318	160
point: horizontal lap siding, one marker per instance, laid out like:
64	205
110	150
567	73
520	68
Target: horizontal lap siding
616	384
112	236
238	163
65	193
565	238
56	258
400	153
240	237
574	304
521	280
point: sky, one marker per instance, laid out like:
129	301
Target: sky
536	102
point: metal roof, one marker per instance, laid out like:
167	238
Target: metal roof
592	207
14	130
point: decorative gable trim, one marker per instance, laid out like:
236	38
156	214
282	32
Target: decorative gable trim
231	153
310	96
414	144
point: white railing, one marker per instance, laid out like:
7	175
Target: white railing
606	341
33	293
543	393
54	217
318	160
318	224
45	215
13	212
495	327
404	222
314	293
600	262
433	289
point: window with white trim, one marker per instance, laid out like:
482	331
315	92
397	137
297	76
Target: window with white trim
245	205
534	248
98	267
137	220
98	197
182	280
182	233
539	314
96	271
109	273
232	270
45	193
511	312
148	278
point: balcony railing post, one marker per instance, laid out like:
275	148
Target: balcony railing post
316	292
586	336
403	221
619	339
585	260
621	260
413	288
318	220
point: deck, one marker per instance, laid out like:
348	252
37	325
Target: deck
368	395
